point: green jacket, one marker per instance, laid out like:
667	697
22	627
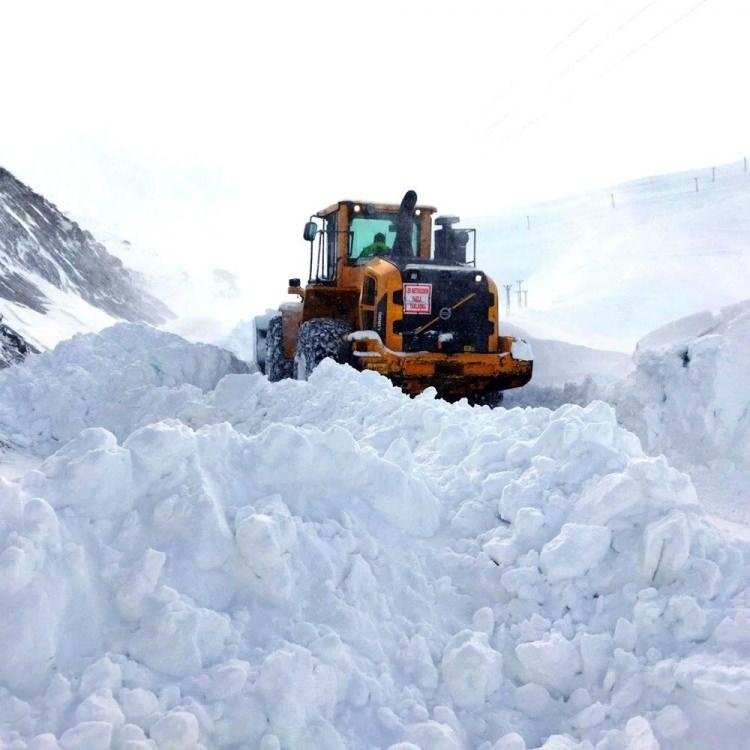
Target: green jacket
375	248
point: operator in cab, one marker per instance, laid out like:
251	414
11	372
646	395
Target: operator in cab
376	247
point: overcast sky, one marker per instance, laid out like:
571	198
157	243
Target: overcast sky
209	132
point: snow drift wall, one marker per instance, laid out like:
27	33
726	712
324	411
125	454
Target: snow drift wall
127	376
329	564
689	395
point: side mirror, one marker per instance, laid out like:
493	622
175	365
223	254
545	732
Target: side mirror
311	230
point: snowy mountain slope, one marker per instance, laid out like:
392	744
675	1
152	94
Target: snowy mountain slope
55	279
605	277
231	563
206	301
13	347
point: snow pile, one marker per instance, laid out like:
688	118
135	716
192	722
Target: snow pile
128	375
688	396
330	564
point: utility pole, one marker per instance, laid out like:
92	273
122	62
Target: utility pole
746	163
525	297
696	184
713	174
612	195
507	288
528	222
519	292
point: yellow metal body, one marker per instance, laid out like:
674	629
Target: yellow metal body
454	375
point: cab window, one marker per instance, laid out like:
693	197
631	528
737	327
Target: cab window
373	236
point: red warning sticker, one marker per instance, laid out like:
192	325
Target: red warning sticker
418	299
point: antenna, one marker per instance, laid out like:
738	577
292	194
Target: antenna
507	288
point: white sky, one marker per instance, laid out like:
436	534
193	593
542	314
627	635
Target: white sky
208	132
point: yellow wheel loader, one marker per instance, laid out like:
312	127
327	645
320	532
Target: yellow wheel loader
383	296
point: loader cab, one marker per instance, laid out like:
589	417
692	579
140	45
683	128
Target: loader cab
340	234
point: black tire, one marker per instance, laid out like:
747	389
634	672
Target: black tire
491	399
278	366
261	332
320	338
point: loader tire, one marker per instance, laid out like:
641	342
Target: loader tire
261	332
491	399
278	366
320	338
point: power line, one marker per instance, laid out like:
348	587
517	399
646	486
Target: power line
557	45
541	116
570	34
602	41
659	33
610	35
606	39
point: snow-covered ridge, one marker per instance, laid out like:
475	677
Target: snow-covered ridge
604	275
329	564
50	266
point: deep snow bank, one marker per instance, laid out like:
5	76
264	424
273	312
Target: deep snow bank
689	395
333	565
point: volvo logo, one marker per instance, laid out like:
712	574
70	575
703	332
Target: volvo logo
445	313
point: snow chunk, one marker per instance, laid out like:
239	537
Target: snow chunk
87	735
471	669
91	474
666	547
178	730
574	551
100	706
432	734
552	662
521	349
103	674
138	705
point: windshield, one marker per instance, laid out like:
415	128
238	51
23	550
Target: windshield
374	235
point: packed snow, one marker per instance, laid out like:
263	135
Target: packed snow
689	395
194	557
127	377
